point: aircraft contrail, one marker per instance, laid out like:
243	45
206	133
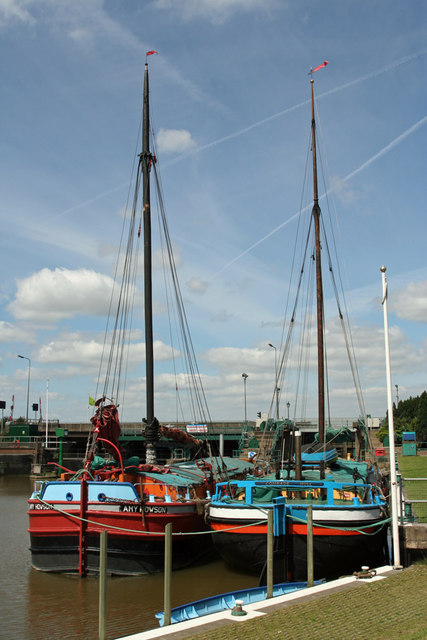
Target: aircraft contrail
363	166
279	114
388	147
250	127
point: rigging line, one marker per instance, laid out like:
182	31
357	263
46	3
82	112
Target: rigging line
284	350
114	364
168	305
181	310
300	291
285	354
299	285
126	340
346	327
166	284
116	270
291	276
327	386
308	333
189	352
350	175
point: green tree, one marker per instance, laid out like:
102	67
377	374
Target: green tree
422	418
400	425
409	415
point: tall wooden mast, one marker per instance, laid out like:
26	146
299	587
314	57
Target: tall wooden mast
146	159
148	293
319	283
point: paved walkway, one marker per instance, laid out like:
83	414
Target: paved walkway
183	630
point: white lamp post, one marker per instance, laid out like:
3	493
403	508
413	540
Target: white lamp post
393	475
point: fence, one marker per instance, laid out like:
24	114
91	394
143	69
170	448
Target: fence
27	442
413	499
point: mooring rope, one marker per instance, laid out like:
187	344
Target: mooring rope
150	533
377	525
380	523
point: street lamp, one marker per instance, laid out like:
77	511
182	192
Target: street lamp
245	377
28	385
288	405
276	388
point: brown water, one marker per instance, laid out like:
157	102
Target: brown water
37	606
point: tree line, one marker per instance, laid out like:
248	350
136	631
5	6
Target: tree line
409	415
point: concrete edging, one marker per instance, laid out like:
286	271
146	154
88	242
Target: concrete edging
255	609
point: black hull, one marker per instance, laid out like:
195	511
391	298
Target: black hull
333	555
124	557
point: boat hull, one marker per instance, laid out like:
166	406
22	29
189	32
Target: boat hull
334	555
224	601
125	557
65	533
345	540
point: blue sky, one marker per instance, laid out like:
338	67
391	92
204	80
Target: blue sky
229	94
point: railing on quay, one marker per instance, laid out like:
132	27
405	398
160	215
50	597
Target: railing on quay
413	502
28	442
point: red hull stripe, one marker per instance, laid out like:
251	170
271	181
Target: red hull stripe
293	529
301	529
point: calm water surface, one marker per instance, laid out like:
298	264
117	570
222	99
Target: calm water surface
37	606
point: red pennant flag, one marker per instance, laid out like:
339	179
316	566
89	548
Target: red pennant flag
150	53
321	65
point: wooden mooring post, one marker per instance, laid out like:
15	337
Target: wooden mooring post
310	566
102	583
270	539
83	528
168	574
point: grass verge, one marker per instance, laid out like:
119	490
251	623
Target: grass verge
390	609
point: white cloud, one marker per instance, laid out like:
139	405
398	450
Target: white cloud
221	316
217	11
174	140
81	36
75	348
345	192
13	333
160	258
74	351
197	286
15	11
410	303
228	358
50	296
